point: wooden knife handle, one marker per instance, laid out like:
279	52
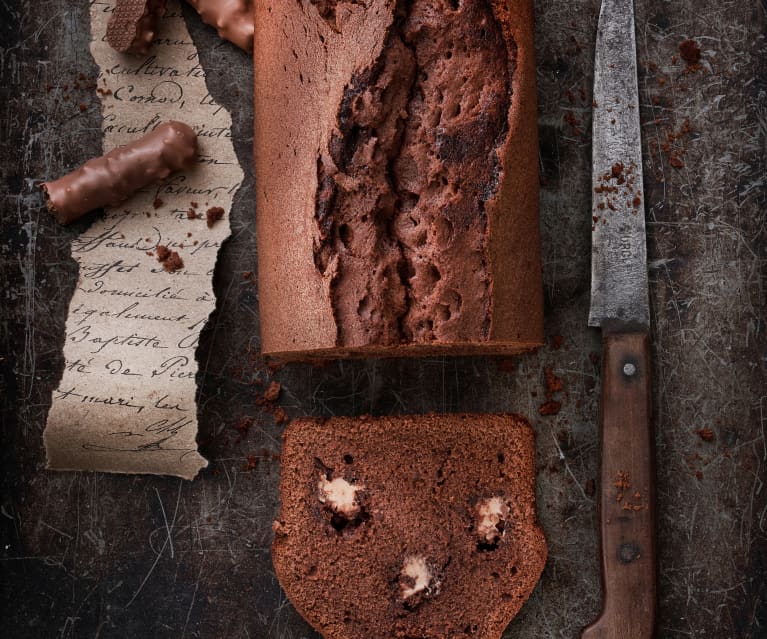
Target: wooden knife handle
627	491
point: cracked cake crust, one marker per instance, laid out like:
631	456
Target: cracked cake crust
397	199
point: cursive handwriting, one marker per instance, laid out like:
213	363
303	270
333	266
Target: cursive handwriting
148	66
83	334
96	399
165	92
176	185
207	100
113	125
164	293
174	367
86	314
133	327
112	238
116	367
156	445
94	271
79	366
163	404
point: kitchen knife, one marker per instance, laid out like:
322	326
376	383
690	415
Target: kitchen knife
620	307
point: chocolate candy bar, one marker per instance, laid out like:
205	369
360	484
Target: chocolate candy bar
114	177
133	25
233	19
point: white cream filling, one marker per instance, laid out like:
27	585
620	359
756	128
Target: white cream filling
417	571
339	494
490	513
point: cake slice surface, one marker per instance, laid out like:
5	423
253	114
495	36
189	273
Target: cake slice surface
418	527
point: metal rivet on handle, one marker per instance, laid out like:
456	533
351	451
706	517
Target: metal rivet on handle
629	369
628	552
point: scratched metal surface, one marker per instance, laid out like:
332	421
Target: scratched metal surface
93	555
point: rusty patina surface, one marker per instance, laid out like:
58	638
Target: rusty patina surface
93	555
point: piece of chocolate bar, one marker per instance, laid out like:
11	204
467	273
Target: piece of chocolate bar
114	177
233	19
133	25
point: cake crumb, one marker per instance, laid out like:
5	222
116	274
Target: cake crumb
171	261
690	51
553	383
213	215
163	253
550	408
158	203
622	484
242	426
706	434
556	342
272	392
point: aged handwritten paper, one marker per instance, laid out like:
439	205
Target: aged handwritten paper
126	402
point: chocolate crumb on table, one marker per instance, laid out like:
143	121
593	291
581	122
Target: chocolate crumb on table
552	384
213	215
242	426
158	203
690	51
272	392
270	395
549	408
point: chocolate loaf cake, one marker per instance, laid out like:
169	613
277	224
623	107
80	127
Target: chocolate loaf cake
396	162
408	527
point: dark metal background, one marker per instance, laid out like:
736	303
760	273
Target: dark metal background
93	555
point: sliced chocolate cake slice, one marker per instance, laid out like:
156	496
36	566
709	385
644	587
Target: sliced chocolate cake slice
414	527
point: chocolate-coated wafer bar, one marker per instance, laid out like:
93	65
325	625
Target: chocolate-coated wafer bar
114	177
133	25
233	19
